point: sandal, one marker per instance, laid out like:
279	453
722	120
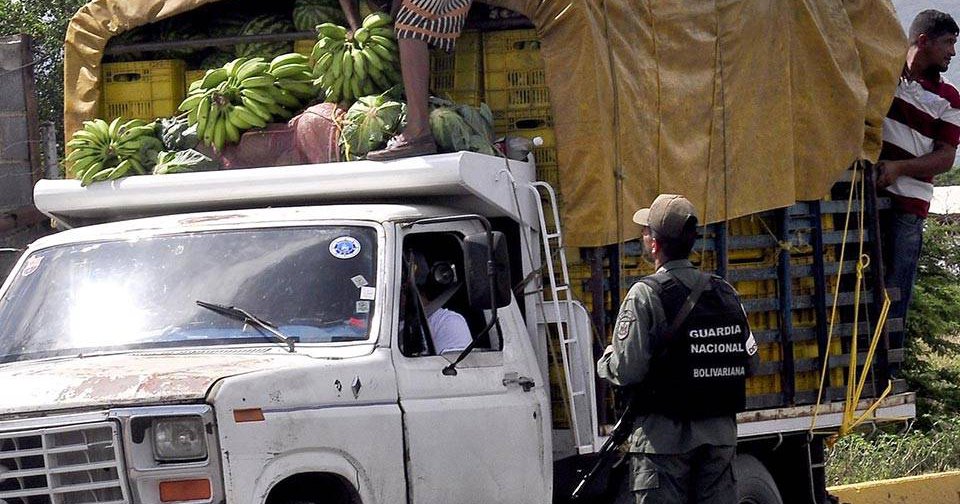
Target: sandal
399	147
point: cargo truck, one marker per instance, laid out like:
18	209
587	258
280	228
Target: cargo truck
255	336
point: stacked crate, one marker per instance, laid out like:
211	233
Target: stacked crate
458	75
515	88
141	89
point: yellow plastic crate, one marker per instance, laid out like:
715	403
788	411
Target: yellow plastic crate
141	89
192	75
304	47
457	75
513	71
532	123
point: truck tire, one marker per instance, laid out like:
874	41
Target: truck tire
755	485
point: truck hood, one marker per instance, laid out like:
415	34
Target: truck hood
122	380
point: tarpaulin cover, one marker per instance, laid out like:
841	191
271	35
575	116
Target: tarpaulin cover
742	105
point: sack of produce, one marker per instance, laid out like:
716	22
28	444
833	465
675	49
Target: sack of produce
317	132
369	123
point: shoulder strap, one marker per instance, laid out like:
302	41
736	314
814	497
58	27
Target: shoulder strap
662	282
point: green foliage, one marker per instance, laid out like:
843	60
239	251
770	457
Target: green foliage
933	321
885	455
951	178
46	21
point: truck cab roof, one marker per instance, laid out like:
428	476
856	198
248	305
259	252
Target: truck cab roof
463	181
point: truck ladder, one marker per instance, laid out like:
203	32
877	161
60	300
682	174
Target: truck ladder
560	311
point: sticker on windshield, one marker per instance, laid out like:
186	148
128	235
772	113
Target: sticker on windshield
363	307
359	281
368	293
31	265
345	247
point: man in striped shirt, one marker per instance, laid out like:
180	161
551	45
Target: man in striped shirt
920	137
419	25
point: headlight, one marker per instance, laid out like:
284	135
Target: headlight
178	439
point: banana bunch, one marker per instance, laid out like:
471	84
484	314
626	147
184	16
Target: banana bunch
247	93
102	151
365	64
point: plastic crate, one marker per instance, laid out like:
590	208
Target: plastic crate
533	123
457	75
141	89
192	75
513	71
304	47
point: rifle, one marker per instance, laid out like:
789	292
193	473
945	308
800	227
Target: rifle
621	431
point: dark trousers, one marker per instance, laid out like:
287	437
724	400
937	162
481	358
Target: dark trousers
701	476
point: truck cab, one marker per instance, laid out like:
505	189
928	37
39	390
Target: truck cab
265	336
215	349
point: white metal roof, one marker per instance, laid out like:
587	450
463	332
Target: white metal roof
464	181
227	219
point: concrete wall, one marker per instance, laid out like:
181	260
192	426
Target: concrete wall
19	135
940	488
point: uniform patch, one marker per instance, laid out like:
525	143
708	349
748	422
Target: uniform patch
624	322
751	345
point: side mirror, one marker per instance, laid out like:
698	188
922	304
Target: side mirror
476	251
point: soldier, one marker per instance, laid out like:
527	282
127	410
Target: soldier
682	344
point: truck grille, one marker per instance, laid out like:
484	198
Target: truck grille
78	464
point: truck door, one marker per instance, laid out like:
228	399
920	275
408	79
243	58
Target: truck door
479	435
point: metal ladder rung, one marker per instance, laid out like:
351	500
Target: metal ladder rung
580	393
552	236
561	288
569	340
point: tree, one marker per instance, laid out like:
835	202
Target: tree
46	21
933	320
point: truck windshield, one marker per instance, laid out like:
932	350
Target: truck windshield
316	284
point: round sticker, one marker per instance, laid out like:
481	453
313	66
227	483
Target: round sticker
345	247
31	265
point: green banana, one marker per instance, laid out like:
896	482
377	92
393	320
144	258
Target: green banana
256	108
258	81
213	78
287	60
360	65
285	98
203	114
384	42
332	31
243	113
260	95
232	133
383	52
292	70
347	63
377	20
251	68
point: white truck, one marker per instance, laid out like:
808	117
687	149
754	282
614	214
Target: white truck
256	337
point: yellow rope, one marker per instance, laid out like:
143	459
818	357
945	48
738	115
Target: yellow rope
855	382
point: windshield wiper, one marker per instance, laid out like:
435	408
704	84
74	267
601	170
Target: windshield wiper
248	318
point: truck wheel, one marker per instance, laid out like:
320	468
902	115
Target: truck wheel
755	485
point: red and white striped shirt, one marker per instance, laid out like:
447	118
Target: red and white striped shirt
922	112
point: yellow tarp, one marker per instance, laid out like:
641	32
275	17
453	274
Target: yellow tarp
742	105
